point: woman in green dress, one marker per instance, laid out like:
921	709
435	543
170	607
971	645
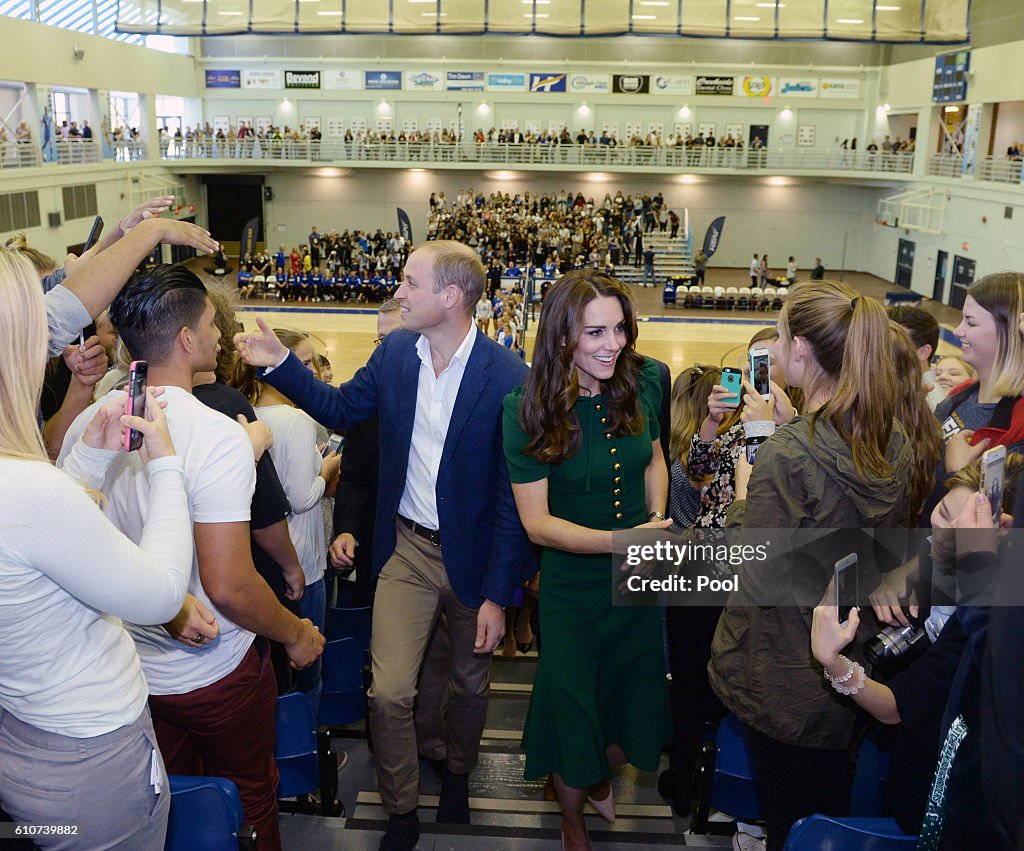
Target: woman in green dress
581	441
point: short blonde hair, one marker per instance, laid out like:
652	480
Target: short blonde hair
458	264
24	336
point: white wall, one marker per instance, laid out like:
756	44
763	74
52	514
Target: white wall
807	220
1009	127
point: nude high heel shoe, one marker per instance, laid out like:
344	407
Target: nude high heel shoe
606	807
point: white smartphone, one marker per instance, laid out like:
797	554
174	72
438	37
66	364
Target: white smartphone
993	468
761	372
845	587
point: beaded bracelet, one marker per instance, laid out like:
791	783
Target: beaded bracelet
837	681
854	672
860	683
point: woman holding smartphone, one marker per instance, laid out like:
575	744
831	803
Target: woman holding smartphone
76	739
584	458
844	464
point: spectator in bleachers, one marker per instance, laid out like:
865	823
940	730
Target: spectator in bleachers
70	680
854	471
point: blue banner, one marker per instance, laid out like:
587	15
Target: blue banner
547	82
247	245
223	79
378	80
49	142
714	236
404	225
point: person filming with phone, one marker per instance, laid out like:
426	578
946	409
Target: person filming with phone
843	464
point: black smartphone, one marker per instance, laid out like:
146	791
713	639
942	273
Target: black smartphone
732	379
845	587
334	444
94	233
138	372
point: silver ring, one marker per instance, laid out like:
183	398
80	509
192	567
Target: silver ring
199	639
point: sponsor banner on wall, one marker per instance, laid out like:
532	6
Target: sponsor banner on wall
335	127
589	83
382	80
972	130
714	85
631	84
672	84
548	82
262	78
302	79
798	87
424	81
465	81
840	88
216	79
342	78
506	82
757	87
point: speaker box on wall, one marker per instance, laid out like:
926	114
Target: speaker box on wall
268	193
53	219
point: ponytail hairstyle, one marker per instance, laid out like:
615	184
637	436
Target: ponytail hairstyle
43	263
547	413
690	393
24	335
1002	295
848	336
912	411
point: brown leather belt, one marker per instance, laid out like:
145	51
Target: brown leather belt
432	535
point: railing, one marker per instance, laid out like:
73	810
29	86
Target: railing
999	170
18	155
506	154
945	165
77	151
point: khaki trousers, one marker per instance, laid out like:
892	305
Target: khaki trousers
412	591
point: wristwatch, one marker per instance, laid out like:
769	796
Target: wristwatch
656	515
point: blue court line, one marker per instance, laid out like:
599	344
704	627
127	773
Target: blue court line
947	335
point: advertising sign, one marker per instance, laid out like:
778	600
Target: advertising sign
465	81
342	78
506	82
548	82
223	79
631	84
259	78
382	80
423	81
757	87
801	87
672	84
714	85
838	88
589	83
302	79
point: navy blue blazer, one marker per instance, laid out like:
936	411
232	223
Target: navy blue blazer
486	552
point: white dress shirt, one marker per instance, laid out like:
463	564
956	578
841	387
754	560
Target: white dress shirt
435	401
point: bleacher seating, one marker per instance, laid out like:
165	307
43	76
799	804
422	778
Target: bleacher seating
848	834
305	760
206	813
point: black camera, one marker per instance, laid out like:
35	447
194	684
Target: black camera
896	647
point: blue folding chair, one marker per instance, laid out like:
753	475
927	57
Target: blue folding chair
343	700
351	623
304	759
668	295
725	777
206	812
818	833
867	797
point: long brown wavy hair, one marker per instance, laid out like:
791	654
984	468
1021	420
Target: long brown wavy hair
547	413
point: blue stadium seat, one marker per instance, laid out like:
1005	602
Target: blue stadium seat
816	833
206	813
668	296
343	701
725	777
351	623
867	797
304	759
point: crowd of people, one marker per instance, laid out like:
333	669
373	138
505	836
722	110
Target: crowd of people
191	576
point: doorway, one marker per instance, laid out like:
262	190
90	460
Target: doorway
905	263
963	277
939	287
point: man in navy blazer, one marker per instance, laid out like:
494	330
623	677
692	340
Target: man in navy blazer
447	536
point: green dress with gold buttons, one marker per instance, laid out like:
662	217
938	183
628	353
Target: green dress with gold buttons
601	677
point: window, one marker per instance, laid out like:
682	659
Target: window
61	109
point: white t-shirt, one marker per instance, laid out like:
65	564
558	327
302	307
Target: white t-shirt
65	666
755	267
298	464
220	478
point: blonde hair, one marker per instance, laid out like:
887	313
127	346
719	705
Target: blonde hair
243	377
43	262
970	370
1002	295
455	263
689	408
848	336
24	334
